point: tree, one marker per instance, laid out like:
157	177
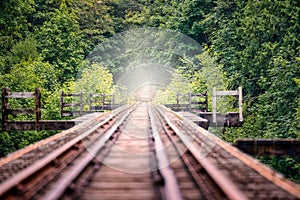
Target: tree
183	16
256	41
14	27
95	21
94	79
60	44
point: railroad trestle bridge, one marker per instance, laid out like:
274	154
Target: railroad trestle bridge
137	151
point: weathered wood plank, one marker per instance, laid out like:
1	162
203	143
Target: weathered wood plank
42	125
19	126
198	102
69	113
56	124
177	105
204	123
96	95
230	119
198	95
240	104
21	111
226	93
266	147
71	95
20	95
72	105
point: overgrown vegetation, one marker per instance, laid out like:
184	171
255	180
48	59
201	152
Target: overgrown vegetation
253	44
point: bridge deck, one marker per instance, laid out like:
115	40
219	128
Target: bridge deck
140	151
204	123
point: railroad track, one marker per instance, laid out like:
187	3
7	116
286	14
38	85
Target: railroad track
138	152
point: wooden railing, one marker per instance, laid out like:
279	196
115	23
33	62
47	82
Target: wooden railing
216	93
185	102
76	107
6	110
269	147
73	104
101	102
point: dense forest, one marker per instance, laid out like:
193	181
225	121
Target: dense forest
253	44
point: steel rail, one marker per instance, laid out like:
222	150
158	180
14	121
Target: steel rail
202	185
27	172
225	184
171	185
65	181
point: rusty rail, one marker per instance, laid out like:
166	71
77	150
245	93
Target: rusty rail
225	184
171	185
263	170
65	181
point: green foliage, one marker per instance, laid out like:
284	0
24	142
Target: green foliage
145	49
95	79
256	42
13	21
183	16
16	140
94	20
51	100
43	43
28	75
23	51
298	108
178	85
6	144
289	166
60	44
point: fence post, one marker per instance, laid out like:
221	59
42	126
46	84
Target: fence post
38	114
206	101
177	101
103	100
90	101
81	103
190	101
4	107
240	104
113	101
214	105
61	102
